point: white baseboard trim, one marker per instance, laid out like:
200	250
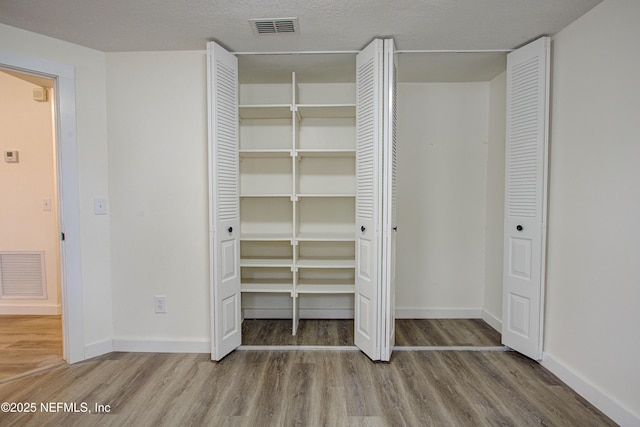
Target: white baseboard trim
31	310
449	348
298	348
438	313
401	313
305	313
591	393
161	346
492	320
98	348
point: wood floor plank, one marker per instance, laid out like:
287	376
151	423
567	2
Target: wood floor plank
299	389
391	390
269	402
210	390
360	386
421	396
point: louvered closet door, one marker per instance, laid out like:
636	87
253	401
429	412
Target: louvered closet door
388	290
525	197
224	209
369	69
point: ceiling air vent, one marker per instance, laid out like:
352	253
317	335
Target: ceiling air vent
274	26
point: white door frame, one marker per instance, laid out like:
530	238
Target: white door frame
68	197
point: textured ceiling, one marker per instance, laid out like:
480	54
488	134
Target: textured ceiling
161	25
149	25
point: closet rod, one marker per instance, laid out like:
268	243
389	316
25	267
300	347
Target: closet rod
303	52
457	51
352	52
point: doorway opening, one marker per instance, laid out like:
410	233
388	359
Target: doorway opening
66	158
30	272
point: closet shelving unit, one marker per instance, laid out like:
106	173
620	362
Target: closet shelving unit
297	191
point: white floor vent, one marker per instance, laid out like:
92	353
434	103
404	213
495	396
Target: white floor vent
22	275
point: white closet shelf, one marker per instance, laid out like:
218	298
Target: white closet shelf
325	288
326	152
266	286
287	195
266	237
328	111
265	111
277	152
266	262
326	237
325	195
326	263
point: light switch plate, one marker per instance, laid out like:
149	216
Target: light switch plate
100	206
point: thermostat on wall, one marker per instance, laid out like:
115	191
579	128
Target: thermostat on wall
11	156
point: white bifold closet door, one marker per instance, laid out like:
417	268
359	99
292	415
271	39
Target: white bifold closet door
224	199
526	197
375	243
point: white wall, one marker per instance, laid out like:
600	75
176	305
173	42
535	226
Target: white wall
159	198
495	199
27	126
442	195
92	168
593	273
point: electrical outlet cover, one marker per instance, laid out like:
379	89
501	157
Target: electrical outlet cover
160	303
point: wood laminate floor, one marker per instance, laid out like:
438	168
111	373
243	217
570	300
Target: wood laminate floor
29	343
303	388
446	332
409	332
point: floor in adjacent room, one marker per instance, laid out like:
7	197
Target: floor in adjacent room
28	344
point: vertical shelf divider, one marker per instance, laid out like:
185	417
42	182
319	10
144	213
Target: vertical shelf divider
294	204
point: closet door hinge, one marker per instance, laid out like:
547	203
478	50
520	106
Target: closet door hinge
62	236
